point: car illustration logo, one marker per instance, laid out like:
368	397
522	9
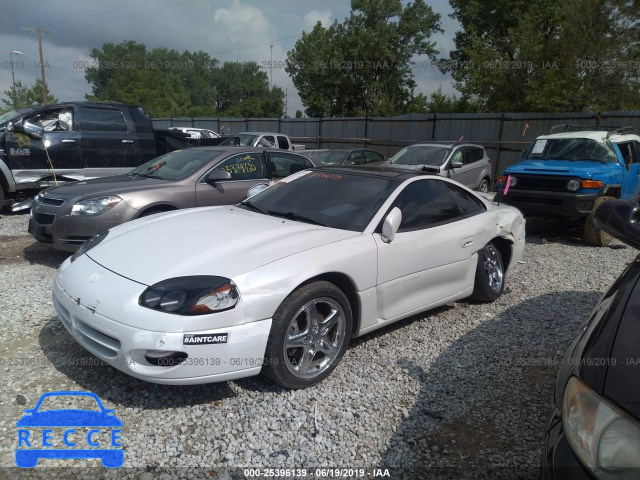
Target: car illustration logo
69	433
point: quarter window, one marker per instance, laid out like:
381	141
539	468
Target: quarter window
428	203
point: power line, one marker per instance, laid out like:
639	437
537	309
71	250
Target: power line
254	45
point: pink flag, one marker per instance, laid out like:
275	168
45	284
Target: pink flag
506	187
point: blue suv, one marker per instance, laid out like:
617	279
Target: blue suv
38	439
571	171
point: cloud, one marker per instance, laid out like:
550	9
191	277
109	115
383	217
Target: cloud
314	16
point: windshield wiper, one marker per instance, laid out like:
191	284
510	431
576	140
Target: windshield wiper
149	169
295	216
253	207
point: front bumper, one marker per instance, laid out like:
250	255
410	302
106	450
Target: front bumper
564	204
97	329
55	225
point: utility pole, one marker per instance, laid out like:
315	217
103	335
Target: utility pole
39	31
13	82
271	65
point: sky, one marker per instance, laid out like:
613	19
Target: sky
231	30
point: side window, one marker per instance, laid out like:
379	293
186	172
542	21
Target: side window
630	152
246	166
103	120
267	141
428	203
283	142
58	120
355	158
285	164
371	156
458	157
472	155
141	122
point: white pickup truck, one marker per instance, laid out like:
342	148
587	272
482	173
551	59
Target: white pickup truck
267	139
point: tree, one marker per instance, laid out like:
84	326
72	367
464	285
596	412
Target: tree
363	66
168	83
574	55
440	102
21	96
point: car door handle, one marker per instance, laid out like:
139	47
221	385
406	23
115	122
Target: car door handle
67	140
467	242
128	141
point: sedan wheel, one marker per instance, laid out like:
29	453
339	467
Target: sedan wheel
489	282
484	186
310	332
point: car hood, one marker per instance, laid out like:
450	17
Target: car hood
226	241
116	185
580	168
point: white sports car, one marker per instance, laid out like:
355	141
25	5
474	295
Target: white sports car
280	283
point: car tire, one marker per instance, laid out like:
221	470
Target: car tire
592	234
484	186
310	332
489	281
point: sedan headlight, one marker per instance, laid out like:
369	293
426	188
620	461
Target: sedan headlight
196	295
95	206
605	439
574	184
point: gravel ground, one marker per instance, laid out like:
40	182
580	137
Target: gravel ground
459	392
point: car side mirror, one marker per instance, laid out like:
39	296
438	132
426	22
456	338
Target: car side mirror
217	176
30	129
257	189
391	224
457	164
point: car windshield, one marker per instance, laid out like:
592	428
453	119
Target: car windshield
572	149
334	157
69	402
8	115
246	139
303	196
421	155
176	165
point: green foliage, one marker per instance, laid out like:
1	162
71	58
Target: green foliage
21	96
363	66
440	102
168	83
574	55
